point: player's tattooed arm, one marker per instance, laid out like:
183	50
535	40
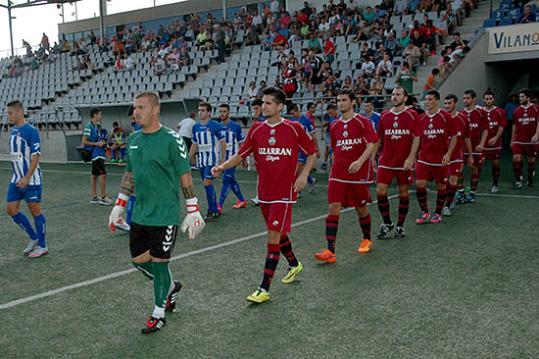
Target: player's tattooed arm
127	184
188	188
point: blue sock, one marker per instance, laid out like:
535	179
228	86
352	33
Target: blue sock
211	197
310	180
24	223
236	189
40	229
129	210
225	189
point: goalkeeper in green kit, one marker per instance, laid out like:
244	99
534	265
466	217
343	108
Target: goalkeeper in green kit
157	159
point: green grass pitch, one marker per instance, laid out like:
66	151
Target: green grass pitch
467	288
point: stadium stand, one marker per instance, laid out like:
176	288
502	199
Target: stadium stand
274	52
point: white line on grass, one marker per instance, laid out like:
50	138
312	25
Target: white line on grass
85	283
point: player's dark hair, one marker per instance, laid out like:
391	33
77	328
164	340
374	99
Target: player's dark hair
207	105
310	104
256	102
278	95
471	93
331	107
369	100
130	110
224	105
452	97
347	92
94	111
434	93
526	91
292	107
115	124
489	92
15	103
401	88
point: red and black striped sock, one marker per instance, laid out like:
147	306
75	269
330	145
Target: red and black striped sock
332	225
383	207
451	190
531	171
365	223
475	180
517	170
404	205
441	195
286	250
272	259
495	174
422	198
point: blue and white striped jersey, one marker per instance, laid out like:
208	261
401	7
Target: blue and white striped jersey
305	122
233	137
24	143
207	137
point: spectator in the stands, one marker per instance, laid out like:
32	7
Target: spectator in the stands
129	63
405	78
252	38
329	50
45	44
367	67
458	42
432	80
361	86
391	44
159	66
261	88
347	84
377	86
412	55
527	15
385	66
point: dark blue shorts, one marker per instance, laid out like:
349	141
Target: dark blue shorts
205	172
31	194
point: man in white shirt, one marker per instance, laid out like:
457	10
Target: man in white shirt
185	129
368	67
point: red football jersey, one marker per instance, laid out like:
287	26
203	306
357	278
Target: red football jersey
435	131
462	132
525	121
275	149
349	140
477	123
496	119
395	131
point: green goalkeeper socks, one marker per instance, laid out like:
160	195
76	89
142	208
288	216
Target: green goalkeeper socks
145	268
161	283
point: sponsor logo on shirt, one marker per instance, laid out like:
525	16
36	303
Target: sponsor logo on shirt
348	143
397	133
278	151
433	132
526	120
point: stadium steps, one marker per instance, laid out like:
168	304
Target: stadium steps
468	29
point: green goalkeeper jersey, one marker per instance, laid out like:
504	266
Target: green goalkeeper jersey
156	161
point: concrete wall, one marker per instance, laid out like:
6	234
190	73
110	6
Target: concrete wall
53	145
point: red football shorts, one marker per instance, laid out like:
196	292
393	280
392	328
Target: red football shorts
455	169
494	154
386	175
278	216
478	159
349	194
524	149
428	173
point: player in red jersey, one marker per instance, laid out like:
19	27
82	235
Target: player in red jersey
456	163
438	137
525	140
397	158
496	122
275	145
476	118
353	141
